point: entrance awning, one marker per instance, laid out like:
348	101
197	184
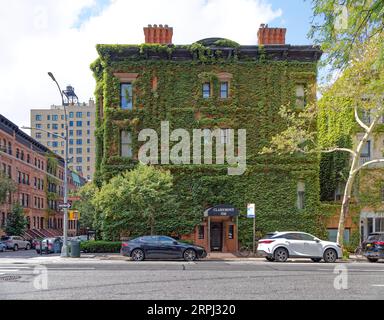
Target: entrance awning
223	210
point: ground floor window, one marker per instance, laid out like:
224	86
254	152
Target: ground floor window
201	232
332	235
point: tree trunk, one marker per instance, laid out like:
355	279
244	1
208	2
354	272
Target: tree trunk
346	200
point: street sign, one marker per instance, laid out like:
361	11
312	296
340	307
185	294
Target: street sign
251	210
64	205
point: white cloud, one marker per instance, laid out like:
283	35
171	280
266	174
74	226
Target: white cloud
38	36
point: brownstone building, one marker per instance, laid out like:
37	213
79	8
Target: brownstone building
38	175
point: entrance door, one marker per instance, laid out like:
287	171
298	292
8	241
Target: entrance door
216	236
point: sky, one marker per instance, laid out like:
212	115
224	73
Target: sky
60	36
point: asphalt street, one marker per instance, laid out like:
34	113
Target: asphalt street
25	278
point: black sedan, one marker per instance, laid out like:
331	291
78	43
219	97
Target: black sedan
373	247
160	247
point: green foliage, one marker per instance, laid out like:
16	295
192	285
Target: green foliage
16	222
89	215
226	43
100	247
6	186
138	202
340	32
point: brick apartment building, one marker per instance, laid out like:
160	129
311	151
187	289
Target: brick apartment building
38	174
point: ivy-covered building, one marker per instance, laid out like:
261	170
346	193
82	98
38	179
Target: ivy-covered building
213	83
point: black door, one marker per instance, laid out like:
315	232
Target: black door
216	236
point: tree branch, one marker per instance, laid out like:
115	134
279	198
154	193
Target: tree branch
368	163
361	123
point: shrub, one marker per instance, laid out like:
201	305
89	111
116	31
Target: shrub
100	247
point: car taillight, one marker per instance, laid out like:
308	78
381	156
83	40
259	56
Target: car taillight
124	244
266	241
379	243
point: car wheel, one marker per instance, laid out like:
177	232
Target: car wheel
281	255
330	255
372	260
316	260
189	255
38	251
270	259
15	247
137	255
28	246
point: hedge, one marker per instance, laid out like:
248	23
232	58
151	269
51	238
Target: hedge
100	247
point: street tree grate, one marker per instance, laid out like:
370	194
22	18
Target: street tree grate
9	278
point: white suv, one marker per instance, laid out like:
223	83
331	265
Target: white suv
280	246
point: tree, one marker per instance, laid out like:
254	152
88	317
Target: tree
16	222
340	26
358	89
6	186
133	203
89	215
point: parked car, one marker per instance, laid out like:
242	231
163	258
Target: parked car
49	245
373	247
3	247
15	243
279	246
160	247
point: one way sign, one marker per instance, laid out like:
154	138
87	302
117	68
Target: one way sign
64	205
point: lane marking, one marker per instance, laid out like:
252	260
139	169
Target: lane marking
75	269
10	270
378	285
1	267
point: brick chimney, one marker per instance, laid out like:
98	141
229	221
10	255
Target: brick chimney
268	35
158	34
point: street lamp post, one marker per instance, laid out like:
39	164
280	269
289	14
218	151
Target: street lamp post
64	251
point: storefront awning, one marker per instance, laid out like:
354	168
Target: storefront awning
223	210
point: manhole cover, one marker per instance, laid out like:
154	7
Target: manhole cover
9	278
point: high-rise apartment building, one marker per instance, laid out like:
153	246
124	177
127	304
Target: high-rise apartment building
81	136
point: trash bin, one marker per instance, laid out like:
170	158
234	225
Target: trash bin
57	247
75	249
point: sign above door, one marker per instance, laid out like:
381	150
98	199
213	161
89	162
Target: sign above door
223	210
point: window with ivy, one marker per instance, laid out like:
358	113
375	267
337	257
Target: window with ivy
206	90
126	144
300	96
224	90
126	96
300	195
